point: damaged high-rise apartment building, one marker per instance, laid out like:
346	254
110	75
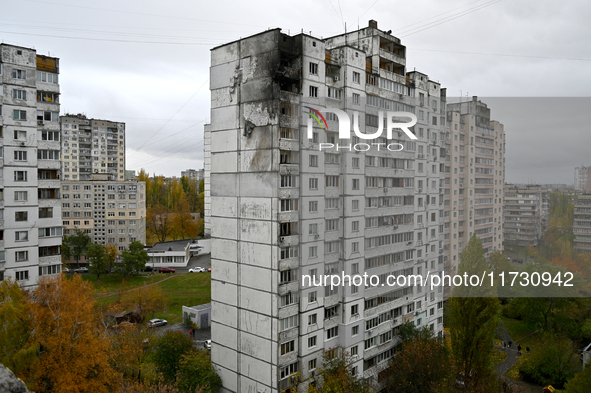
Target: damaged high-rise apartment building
280	205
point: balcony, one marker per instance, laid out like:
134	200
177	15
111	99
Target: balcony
289	169
289	193
289	144
392	57
49	183
392	76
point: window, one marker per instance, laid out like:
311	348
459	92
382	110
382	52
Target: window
355	163
355	184
312	364
355	226
355	204
20	135
313	161
20	195
312	319
286	205
19	115
21	236
334	93
311	342
47	116
22	276
354	350
313	252
48	154
355	309
288	299
20	175
313	183
19	74
20	216
288	181
312	297
313	91
288	347
49	232
312	229
332	333
20	155
332	225
356	77
314	68
355	331
20	256
288	370
332	181
356	99
313	206
19	94
288	323
46	77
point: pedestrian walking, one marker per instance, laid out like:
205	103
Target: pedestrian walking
503	343
519	349
527	350
510	343
191	332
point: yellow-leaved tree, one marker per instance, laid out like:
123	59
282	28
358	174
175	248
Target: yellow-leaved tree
74	354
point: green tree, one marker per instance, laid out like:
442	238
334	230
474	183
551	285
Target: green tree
473	320
16	352
76	245
97	259
552	363
581	382
168	351
195	371
135	258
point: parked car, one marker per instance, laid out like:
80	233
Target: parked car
157	322
207	344
66	270
148	268
81	270
197	270
166	270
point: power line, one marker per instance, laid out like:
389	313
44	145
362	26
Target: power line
160	129
111	40
503	54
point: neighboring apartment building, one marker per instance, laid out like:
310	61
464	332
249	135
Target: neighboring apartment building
110	212
280	208
193	174
583	179
30	214
92	146
474	179
526	214
582	224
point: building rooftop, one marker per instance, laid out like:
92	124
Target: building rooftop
176	245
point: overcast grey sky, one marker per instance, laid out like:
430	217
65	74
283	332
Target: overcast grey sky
146	63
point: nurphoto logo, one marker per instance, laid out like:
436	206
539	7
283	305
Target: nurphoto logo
345	129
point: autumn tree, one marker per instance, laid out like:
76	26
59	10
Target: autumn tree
168	351
158	223
131	348
97	259
143	301
73	351
112	254
135	258
182	225
196	371
473	319
16	351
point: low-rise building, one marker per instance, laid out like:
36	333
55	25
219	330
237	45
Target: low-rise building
172	254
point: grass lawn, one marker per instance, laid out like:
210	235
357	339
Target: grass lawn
180	290
116	282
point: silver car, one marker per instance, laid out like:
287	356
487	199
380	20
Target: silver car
157	322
